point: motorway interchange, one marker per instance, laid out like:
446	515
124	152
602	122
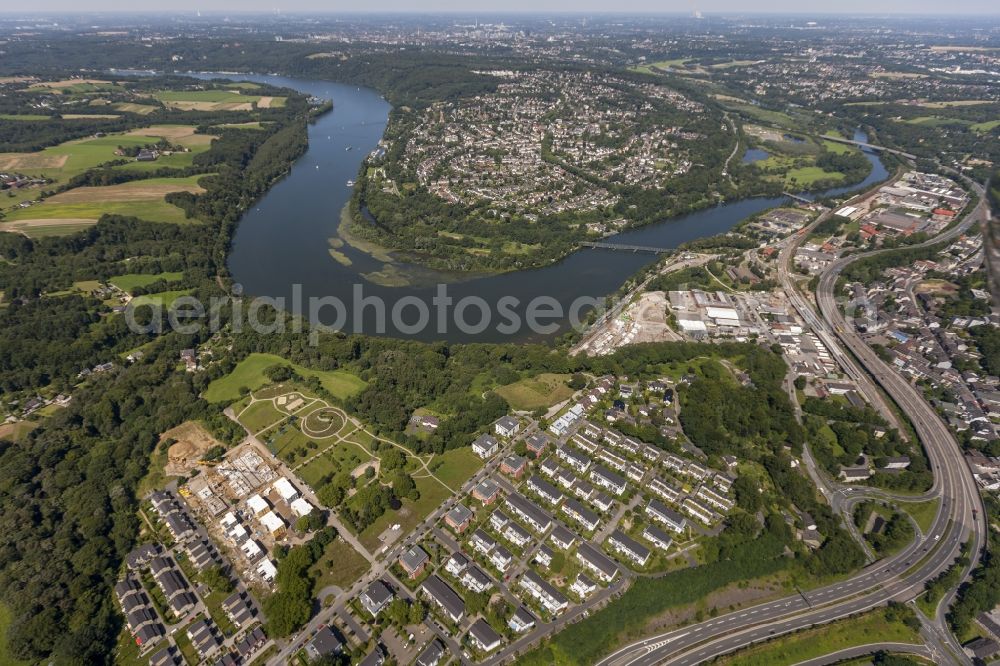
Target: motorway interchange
901	577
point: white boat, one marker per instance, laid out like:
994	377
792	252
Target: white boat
350	183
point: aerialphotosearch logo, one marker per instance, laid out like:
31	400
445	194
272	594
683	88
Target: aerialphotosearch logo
408	315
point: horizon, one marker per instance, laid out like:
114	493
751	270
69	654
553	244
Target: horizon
718	8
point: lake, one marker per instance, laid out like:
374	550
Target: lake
282	248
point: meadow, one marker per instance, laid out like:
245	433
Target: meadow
249	373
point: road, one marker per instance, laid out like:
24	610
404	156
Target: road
897	578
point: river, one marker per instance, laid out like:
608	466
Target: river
281	248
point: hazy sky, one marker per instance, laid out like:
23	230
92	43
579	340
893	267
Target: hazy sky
472	6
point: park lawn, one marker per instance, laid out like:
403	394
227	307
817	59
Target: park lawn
249	373
456	466
922	512
163	299
432	495
349	454
339	565
313	471
543	390
130	281
804	645
288	439
260	415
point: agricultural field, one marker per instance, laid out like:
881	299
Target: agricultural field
77	209
144	199
215	100
249	373
543	390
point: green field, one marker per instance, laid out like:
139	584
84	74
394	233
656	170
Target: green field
249	373
543	390
132	280
809	175
650	68
839	148
163	299
936	121
25	116
873	627
922	512
985	127
456	466
340	565
203	96
260	415
315	470
432	495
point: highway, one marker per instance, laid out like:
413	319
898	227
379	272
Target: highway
900	577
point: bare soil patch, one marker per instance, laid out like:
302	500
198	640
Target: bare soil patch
182	134
21	225
265	102
192	443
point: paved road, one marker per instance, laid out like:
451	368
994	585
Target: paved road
864	650
898	578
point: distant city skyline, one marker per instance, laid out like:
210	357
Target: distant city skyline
908	7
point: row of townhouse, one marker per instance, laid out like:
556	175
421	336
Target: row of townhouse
629	547
173	515
672	520
140	614
548	597
529	512
581	514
